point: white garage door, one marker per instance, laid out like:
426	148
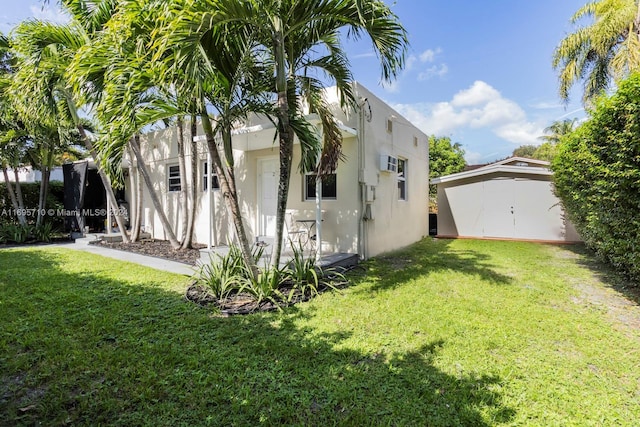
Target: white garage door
521	209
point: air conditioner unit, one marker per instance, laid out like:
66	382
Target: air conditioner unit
388	163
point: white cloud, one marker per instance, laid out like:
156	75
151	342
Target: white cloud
439	71
429	55
479	93
49	13
392	86
370	54
473	158
478	107
408	65
545	105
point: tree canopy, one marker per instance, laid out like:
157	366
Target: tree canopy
607	49
445	158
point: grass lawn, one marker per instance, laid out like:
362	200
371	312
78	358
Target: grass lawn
445	333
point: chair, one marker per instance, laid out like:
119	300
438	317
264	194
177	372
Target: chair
296	233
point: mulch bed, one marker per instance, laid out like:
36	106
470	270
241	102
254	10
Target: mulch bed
158	249
243	303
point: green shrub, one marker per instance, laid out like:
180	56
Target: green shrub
30	195
44	232
265	287
597	177
15	233
223	274
226	276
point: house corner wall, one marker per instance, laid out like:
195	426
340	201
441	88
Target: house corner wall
395	223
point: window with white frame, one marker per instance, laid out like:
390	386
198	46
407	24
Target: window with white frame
205	178
174	178
402	179
329	187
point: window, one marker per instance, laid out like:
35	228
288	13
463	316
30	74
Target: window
205	177
174	178
402	179
329	187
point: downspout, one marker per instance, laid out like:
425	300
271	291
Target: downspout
319	206
362	247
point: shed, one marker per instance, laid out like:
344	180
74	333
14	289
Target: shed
509	199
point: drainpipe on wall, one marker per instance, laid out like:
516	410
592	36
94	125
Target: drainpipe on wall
362	231
213	238
319	209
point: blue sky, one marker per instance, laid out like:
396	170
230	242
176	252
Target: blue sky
478	72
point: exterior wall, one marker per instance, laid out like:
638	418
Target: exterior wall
391	223
28	174
395	223
498	206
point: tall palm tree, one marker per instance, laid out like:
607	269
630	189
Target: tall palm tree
13	135
224	76
139	89
303	41
45	51
607	49
300	43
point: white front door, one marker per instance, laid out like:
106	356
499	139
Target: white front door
268	196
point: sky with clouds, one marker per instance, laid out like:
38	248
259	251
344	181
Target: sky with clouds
477	72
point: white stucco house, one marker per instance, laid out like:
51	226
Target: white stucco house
509	199
375	202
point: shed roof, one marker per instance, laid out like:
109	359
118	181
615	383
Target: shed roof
512	165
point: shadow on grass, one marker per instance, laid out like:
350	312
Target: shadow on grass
82	349
606	273
429	256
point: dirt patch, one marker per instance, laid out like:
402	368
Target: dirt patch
158	249
621	310
606	290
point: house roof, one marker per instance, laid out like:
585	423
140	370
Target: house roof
512	165
261	136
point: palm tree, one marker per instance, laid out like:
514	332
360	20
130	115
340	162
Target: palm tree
607	49
136	91
13	136
222	75
302	42
556	130
44	51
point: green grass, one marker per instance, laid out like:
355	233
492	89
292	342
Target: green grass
445	333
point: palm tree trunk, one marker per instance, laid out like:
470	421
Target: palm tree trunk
107	186
45	170
193	185
228	188
19	193
14	200
44	190
184	187
175	244
73	110
286	146
134	211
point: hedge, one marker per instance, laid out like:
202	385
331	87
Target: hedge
597	177
30	194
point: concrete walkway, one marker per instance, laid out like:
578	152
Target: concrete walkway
148	261
82	244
